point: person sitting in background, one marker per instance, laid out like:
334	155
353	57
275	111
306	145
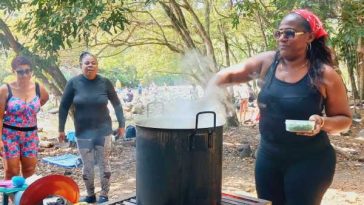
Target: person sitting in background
20	101
129	96
299	83
90	93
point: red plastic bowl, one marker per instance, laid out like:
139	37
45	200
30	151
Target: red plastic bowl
52	185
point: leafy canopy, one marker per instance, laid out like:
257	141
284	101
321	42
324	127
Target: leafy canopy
54	23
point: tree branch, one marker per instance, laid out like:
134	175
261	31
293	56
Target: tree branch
203	33
179	13
226	44
45	64
9	36
146	42
178	27
207	16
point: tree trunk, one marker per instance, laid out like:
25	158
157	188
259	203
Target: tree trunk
360	51
178	25
204	35
352	83
262	29
232	120
46	65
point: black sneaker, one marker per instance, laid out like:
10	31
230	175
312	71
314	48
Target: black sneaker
88	199
102	199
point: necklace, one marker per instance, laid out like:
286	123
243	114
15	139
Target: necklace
299	68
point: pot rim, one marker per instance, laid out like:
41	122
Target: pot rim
147	124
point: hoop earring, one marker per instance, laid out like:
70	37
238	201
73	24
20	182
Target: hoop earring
309	47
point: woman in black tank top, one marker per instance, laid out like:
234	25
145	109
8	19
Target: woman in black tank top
299	83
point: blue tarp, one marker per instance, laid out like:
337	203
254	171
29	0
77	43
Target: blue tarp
66	160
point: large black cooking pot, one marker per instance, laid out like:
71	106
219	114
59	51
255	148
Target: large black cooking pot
179	160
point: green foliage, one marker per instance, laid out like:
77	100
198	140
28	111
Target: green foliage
127	75
271	12
149	61
169	79
266	15
4	74
10	5
53	24
351	28
137	35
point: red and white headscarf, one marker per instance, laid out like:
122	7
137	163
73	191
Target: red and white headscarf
315	23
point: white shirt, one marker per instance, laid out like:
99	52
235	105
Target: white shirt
241	91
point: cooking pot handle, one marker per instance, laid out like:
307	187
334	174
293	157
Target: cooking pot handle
205	112
209	138
154	103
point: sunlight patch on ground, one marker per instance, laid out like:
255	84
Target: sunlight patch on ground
337	197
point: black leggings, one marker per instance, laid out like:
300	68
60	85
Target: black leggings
294	181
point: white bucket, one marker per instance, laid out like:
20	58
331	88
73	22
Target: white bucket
17	197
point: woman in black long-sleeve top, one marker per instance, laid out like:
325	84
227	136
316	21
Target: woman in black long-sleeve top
90	93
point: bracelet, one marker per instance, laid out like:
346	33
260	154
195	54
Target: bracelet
322	122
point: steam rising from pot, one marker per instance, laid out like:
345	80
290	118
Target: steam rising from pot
181	114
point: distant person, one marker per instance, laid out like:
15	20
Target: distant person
299	83
241	93
140	89
90	93
129	96
20	101
251	94
254	112
118	86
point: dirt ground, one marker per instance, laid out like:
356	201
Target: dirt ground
238	176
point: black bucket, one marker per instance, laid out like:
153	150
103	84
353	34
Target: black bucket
179	165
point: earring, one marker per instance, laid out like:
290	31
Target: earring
309	47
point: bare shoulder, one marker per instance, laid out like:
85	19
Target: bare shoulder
41	86
3	89
266	59
267	55
332	83
3	94
44	96
259	62
330	75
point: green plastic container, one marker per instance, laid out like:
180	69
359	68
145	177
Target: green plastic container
300	125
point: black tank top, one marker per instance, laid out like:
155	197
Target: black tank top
278	101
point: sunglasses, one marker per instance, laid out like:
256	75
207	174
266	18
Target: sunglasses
24	72
287	34
90	63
